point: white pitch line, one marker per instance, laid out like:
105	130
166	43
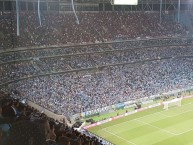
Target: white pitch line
167	130
164	114
120	137
156	127
185	131
176	114
150	115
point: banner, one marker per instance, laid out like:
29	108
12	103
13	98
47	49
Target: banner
120	106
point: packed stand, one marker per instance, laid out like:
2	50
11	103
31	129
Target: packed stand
44	64
94	27
72	93
7	30
8	56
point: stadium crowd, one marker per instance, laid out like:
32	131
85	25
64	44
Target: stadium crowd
94	27
20	69
73	93
21	124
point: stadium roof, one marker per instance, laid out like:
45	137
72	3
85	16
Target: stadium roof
108	1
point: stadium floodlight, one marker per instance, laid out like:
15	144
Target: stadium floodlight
174	102
124	2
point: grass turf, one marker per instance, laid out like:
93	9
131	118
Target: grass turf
152	127
114	113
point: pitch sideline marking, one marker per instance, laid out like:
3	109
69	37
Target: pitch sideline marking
164	114
150	115
120	137
160	112
176	114
165	129
156	127
149	125
185	131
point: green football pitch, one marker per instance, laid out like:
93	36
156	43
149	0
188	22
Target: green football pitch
151	127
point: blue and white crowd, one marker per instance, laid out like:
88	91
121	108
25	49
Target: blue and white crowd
129	73
72	93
